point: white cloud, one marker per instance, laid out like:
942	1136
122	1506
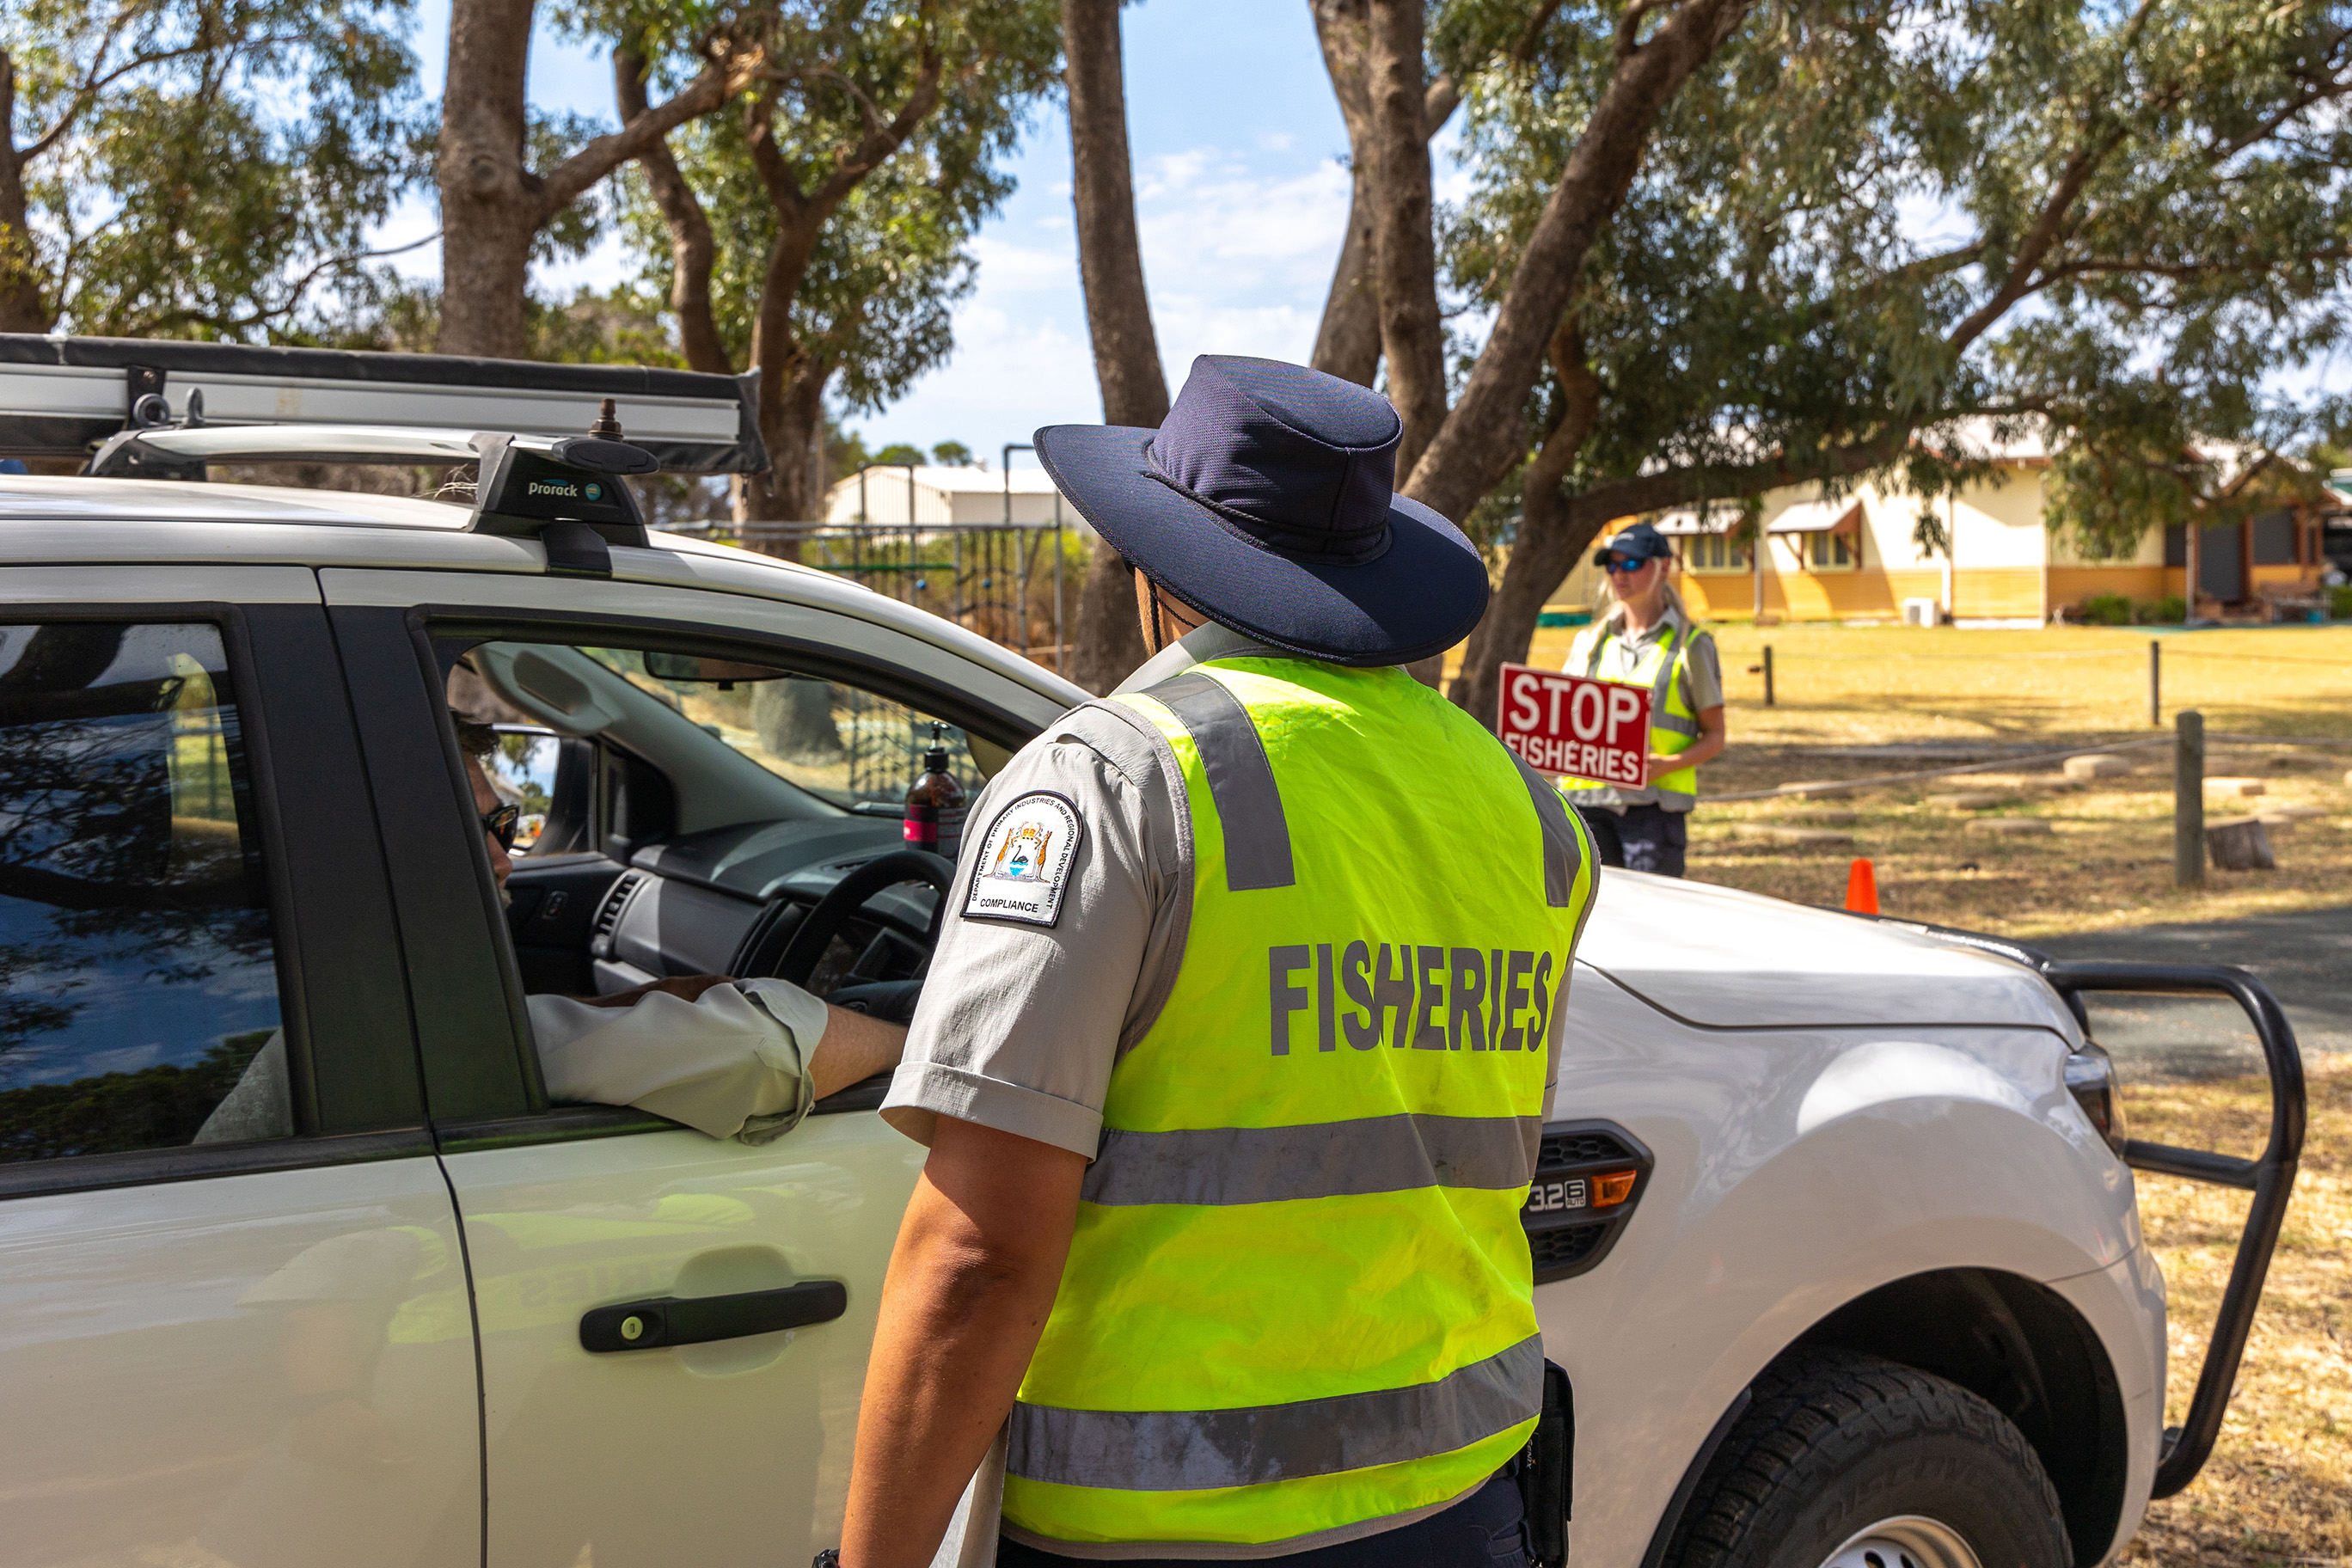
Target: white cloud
1009	268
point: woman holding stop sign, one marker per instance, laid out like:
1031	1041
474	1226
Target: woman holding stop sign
1646	639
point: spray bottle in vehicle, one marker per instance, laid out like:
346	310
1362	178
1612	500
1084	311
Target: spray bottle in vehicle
935	804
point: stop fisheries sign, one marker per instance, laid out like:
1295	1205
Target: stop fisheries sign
1572	724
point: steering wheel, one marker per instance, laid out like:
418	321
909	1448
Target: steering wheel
807	946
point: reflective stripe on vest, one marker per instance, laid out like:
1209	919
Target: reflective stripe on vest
1674	727
1298	1298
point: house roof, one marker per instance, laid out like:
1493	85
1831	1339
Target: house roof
1803	517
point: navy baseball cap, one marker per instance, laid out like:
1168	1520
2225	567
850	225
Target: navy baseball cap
1266	501
1638	544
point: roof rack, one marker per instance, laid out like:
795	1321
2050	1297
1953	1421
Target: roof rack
64	397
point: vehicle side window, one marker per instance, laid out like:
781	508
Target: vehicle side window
138	978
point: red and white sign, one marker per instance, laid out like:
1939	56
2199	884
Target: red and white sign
1571	724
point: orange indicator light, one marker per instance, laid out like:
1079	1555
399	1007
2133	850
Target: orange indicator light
1613	1187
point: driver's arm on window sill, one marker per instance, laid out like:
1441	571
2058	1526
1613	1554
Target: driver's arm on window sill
727	1057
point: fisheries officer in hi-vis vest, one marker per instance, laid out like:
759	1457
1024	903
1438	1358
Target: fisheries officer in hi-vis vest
1236	1047
1645	637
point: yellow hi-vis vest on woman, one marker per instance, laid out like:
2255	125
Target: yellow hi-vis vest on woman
1299	1299
1674	727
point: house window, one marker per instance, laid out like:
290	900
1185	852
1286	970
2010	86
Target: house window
1716	552
1832	552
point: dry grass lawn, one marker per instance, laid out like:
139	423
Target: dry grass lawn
2108	858
2278	1490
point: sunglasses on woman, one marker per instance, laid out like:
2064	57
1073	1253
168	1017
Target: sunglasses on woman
1618	564
501	824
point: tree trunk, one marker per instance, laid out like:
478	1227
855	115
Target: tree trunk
24	307
1108	645
791	416
1404	242
1347	341
1550	537
692	251
1481	438
490	214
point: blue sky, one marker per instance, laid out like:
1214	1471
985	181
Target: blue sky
1239	194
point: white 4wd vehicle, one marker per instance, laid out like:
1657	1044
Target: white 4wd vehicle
1836	1237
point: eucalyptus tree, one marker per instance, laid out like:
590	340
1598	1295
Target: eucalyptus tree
195	168
1870	240
819	230
511	183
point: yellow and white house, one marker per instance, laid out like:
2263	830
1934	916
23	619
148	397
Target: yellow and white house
1855	557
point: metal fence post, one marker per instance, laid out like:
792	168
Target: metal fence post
2189	799
1767	675
2155	684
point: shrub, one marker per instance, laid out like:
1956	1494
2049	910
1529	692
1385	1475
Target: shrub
2340	601
2168	611
2105	610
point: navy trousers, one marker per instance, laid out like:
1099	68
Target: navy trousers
1646	839
1481	1531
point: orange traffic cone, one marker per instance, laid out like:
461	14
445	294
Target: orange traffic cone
1862	888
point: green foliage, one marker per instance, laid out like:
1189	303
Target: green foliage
2169	610
2339	603
899	452
1900	239
845	451
952	455
2105	610
873	308
118	1112
225	175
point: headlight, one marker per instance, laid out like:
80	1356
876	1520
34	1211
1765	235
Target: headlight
2091	1079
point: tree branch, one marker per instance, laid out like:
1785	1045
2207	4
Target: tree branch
728	70
692	250
1481	438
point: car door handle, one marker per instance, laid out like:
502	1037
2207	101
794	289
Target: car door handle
664	1321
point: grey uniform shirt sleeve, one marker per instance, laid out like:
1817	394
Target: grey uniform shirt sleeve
1021	1023
1703	675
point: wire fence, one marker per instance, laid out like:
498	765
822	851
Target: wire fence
1013	583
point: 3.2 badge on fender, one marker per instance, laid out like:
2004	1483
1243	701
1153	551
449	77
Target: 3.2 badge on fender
1024	862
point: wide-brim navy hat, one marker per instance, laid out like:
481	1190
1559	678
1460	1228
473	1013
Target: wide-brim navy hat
1266	501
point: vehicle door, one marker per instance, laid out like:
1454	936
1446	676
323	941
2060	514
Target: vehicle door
232	1309
731	1450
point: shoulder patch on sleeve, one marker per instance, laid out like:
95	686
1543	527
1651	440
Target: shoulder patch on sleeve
1024	861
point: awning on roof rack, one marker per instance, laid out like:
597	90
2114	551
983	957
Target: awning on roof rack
60	396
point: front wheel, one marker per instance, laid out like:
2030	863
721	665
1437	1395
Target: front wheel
1849	1461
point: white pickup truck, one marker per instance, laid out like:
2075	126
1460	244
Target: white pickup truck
1836	1234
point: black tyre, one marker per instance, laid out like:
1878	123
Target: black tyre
1849	1461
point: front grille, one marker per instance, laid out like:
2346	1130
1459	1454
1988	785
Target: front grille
1563	1248
1565	1235
1577	1147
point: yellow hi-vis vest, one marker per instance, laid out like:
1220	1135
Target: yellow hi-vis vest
1299	1299
1674	727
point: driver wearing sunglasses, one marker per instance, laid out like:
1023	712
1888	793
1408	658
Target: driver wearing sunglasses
729	1058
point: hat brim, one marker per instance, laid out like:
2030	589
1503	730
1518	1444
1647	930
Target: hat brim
1420	596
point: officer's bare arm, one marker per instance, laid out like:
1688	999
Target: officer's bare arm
978	1261
854	1047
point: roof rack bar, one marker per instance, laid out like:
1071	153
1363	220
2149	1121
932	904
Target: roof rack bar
60	396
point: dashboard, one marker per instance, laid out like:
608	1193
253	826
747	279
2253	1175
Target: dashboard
720	901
